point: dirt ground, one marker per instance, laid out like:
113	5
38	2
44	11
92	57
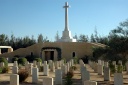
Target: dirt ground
5	78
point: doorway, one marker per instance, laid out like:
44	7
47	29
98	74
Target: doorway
49	55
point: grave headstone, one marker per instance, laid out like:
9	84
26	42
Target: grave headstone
14	79
15	70
107	74
46	70
100	69
48	81
118	79
58	77
35	75
90	83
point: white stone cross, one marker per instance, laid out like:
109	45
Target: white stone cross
66	15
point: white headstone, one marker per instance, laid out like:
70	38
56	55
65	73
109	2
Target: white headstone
48	81
118	79
90	83
58	77
35	75
100	69
15	70
107	74
46	70
14	79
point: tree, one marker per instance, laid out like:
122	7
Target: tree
83	38
92	38
4	39
40	38
57	37
75	37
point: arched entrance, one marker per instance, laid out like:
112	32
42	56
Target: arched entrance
51	53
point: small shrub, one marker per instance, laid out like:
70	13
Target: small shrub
70	74
41	69
14	59
76	60
30	58
119	69
5	69
68	78
112	68
4	60
17	56
23	75
0	70
22	61
38	59
73	67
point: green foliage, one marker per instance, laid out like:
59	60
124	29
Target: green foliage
73	67
112	68
41	68
68	78
38	60
4	60
64	60
76	60
30	58
0	70
14	59
5	69
23	75
22	61
119	69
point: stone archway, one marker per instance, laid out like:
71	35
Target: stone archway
48	53
10	49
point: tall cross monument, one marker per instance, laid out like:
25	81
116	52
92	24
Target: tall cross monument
66	35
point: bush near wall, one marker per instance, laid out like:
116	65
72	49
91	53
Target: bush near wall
22	61
38	60
4	60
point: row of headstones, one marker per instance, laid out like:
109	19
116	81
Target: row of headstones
59	73
85	74
102	68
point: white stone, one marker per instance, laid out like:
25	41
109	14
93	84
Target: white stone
15	63
14	79
100	69
114	62
102	63
15	70
118	79
34	63
107	74
99	62
35	75
66	37
90	83
106	64
45	62
30	69
46	70
95	67
52	67
58	77
48	81
56	65
85	76
64	70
